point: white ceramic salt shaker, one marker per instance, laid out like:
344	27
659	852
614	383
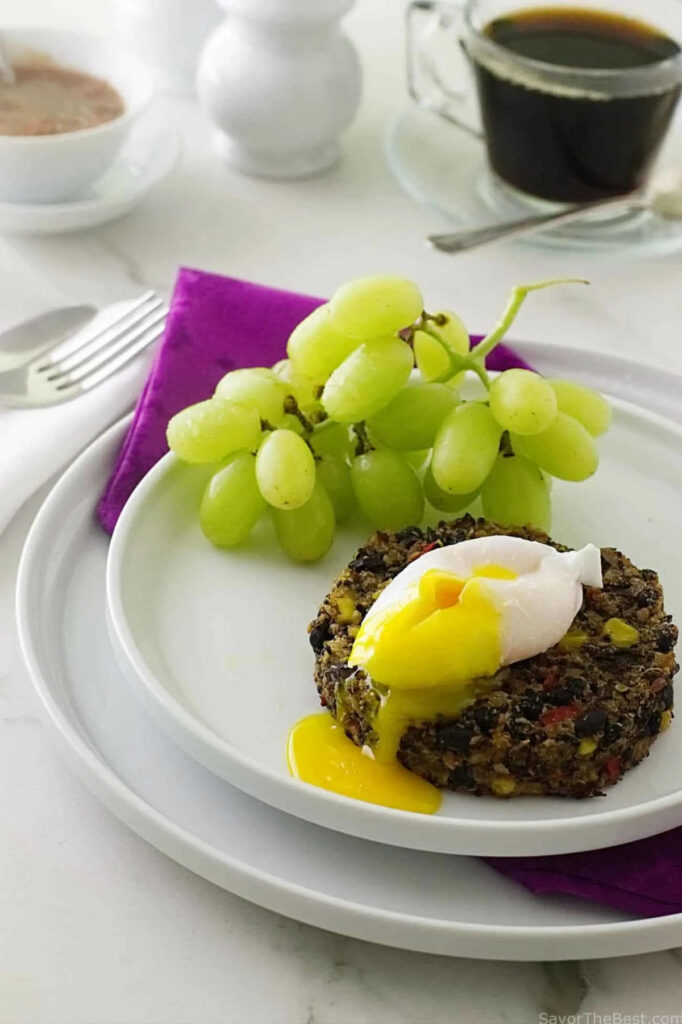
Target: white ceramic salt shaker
281	82
168	36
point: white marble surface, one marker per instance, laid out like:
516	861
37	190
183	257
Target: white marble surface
96	927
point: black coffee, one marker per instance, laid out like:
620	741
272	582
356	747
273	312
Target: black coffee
574	148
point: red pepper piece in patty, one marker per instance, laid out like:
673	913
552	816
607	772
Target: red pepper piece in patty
422	551
552	716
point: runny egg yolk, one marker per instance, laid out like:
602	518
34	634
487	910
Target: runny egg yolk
428	656
446	633
320	753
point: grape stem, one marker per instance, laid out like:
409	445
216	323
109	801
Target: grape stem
476	361
435	318
291	406
516	299
479	370
364	444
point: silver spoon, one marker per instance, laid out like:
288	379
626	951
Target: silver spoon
6	69
663	196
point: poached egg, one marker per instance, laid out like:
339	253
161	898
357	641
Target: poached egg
464	611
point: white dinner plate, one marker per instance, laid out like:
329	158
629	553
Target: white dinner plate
215	642
422	901
147	157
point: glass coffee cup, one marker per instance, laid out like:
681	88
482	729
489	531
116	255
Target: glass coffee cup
573	100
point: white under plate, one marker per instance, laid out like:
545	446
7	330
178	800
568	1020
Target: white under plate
216	644
428	902
149	154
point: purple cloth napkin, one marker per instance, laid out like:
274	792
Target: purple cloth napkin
217	324
642	878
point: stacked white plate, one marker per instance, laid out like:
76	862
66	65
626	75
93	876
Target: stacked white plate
172	673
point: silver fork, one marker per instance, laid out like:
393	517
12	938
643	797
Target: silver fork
88	358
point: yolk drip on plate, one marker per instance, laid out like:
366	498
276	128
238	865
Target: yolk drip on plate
431	655
320	753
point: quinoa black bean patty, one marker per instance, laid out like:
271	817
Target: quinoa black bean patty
568	722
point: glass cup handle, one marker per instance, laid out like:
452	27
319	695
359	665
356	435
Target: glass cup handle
428	21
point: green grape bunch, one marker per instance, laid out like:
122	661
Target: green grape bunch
365	415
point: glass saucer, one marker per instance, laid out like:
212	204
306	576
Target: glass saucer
445	170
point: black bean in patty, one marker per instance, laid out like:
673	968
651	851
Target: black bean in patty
591	722
612	732
410	533
318	635
560	697
455	737
461	777
485	718
531	706
667	638
368	561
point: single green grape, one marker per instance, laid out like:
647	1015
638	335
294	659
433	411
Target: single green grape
285	469
371	307
367	380
522	401
584	405
465	448
443	501
316	348
305	391
306	533
259	387
431	358
387	489
516	494
209	431
334	474
452	331
411	420
431	355
331	438
565	450
232	503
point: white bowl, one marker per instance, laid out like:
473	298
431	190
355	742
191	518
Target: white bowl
56	168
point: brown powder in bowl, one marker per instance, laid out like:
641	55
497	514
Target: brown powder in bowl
46	99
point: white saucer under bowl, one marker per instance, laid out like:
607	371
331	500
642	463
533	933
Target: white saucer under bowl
445	169
215	643
423	901
149	155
